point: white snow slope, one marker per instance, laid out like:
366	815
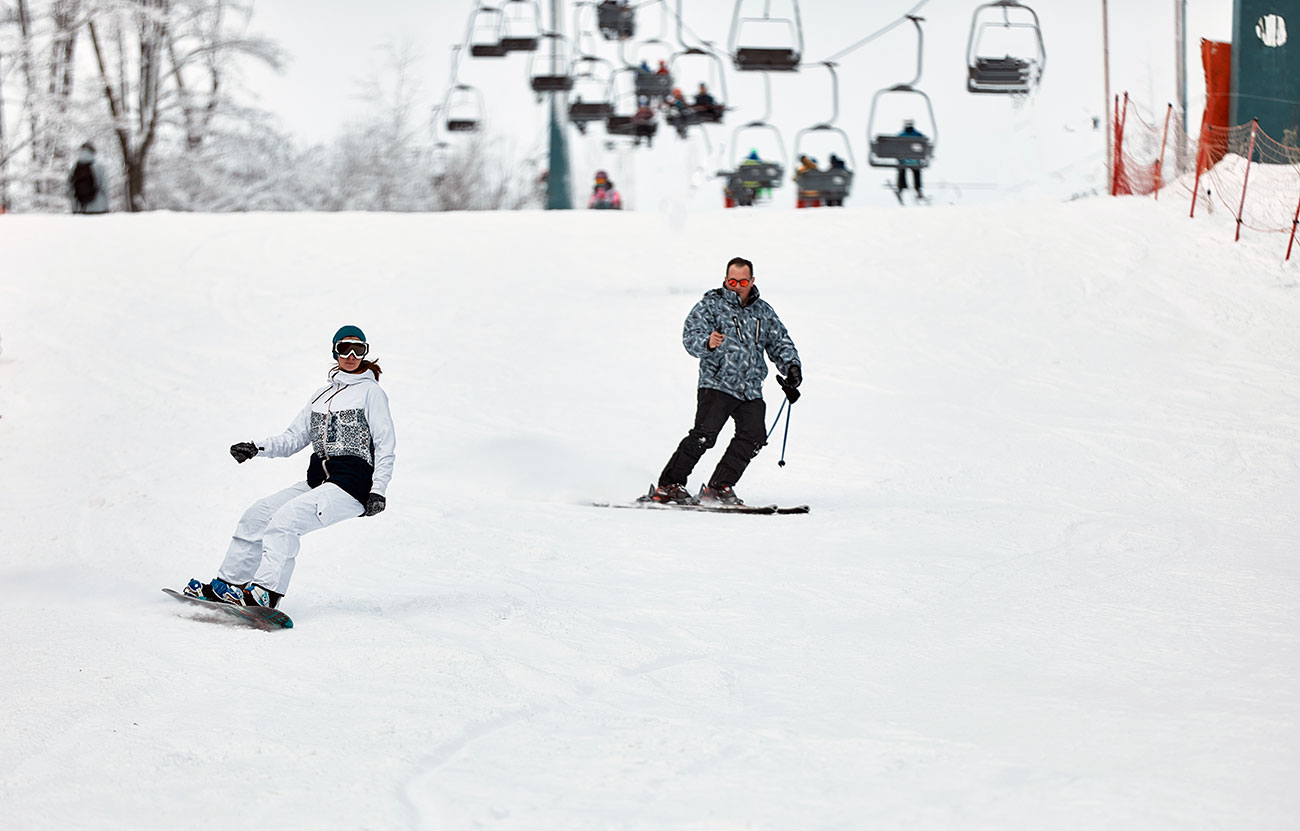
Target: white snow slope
1049	581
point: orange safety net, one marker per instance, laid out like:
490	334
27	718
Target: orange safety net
1216	57
1143	147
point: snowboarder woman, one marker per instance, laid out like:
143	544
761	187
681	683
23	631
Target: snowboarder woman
350	431
729	330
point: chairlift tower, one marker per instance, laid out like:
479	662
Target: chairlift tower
558	195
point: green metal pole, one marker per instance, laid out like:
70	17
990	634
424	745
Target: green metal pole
558	197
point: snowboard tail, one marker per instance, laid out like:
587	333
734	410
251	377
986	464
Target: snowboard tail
256	616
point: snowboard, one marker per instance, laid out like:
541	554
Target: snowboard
268	619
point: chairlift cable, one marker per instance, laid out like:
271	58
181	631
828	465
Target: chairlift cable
706	45
879	33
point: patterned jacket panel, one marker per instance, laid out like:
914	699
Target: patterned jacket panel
342	433
753	330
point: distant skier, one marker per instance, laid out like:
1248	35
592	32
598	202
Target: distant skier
604	200
87	184
349	428
909	131
729	330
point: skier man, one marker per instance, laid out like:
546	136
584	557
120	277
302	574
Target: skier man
729	330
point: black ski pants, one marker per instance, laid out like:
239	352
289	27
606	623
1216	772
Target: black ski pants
712	410
916	178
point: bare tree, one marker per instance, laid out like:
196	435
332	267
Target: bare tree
207	38
47	91
137	34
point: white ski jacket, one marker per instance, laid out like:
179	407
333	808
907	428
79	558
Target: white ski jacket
350	429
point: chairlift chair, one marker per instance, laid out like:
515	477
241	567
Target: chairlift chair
624	123
652	84
585	71
552	74
751	55
889	150
1006	74
464	109
521	26
616	20
715	115
440	160
763	173
833	185
485	33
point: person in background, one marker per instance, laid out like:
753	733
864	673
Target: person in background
87	184
909	131
643	122
705	104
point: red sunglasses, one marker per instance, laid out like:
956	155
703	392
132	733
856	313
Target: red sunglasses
731	281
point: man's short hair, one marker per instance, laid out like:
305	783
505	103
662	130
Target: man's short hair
741	261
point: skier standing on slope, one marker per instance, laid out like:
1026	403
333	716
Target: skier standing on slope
729	330
348	425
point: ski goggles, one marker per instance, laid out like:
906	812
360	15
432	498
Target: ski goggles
742	283
351	347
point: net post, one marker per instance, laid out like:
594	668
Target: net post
1160	162
1295	221
1250	154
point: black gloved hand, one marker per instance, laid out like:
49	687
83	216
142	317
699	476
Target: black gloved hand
794	377
243	451
375	503
790	382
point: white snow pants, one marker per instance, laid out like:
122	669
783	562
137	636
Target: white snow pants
266	540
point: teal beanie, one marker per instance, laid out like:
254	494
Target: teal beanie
346	332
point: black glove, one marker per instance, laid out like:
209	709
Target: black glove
794	377
375	503
243	451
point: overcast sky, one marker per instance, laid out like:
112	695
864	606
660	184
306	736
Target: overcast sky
334	46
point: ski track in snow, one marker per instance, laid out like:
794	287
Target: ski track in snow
1049	579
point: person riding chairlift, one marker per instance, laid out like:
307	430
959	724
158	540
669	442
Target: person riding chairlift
705	103
909	131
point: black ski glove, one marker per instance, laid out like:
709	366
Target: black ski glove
375	503
790	382
243	451
794	377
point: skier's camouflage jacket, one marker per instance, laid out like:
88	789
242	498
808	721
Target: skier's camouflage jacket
737	367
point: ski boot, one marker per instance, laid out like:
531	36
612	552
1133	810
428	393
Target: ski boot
670	495
719	495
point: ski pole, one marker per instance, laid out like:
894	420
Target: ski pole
786	437
775	422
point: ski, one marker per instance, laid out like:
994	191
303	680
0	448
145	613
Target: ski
268	619
766	510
